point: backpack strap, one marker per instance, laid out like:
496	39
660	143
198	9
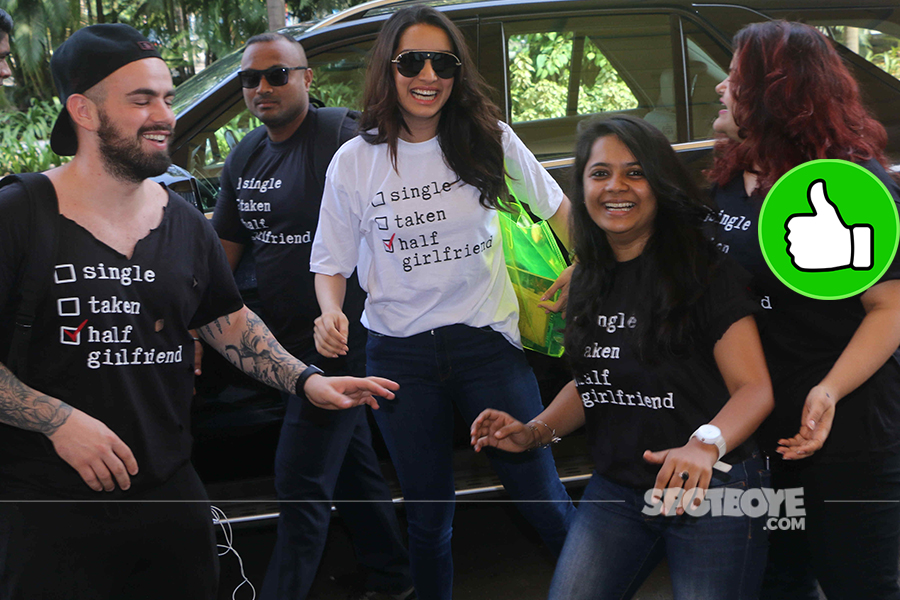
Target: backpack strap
43	235
328	136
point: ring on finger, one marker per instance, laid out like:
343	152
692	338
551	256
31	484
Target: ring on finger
685	475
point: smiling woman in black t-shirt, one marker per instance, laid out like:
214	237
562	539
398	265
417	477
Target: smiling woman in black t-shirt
835	366
664	351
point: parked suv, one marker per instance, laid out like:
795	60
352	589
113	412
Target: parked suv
551	64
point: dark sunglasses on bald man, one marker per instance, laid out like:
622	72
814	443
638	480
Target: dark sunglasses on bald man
411	63
276	76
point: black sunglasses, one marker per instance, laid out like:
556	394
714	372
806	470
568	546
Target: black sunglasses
412	62
276	76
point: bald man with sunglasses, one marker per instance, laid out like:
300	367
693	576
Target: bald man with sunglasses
272	186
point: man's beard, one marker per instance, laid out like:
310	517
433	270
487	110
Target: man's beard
125	159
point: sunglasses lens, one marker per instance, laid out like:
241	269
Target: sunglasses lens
277	76
410	64
444	65
250	79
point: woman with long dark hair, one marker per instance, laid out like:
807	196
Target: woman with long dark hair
835	430
664	350
412	203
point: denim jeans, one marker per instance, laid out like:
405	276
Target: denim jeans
324	456
475	369
851	540
613	546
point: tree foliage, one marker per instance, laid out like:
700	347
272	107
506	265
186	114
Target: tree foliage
24	138
540	69
188	32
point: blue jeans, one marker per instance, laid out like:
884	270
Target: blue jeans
326	455
475	369
613	546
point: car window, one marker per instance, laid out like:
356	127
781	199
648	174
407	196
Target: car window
207	150
880	48
339	75
565	69
707	65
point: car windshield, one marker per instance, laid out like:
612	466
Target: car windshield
205	81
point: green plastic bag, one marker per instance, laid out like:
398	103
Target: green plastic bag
534	261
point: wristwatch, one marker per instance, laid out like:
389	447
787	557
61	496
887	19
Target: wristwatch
306	374
710	434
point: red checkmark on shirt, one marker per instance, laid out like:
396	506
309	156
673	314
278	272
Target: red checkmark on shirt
74	334
389	244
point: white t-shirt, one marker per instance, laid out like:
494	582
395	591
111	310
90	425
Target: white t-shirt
427	253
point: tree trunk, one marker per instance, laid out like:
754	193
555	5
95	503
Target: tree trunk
276	11
185	26
851	38
100	17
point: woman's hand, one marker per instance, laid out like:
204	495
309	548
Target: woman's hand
330	333
683	469
500	430
561	284
815	425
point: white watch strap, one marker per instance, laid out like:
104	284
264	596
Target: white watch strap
720	446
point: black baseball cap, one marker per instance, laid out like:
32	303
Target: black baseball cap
88	57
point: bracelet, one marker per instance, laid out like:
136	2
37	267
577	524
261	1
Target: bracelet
308	372
553	437
195	339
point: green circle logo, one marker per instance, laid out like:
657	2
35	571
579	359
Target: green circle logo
829	229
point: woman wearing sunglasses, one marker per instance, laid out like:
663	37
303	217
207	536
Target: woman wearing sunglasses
835	430
412	203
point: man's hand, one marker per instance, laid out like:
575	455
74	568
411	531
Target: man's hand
334	393
198	357
92	449
198	354
330	333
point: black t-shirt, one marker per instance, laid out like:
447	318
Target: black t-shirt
803	338
111	339
632	405
274	206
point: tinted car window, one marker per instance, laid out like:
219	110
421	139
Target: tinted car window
339	75
565	69
707	65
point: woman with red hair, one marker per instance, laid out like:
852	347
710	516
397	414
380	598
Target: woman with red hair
835	365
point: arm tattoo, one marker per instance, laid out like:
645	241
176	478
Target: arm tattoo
22	407
207	333
259	355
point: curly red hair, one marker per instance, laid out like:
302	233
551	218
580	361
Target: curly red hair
794	101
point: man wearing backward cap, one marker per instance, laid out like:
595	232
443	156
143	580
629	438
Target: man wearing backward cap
96	407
